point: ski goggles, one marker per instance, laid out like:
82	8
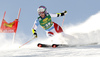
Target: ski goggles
41	13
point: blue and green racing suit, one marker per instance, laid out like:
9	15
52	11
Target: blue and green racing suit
47	24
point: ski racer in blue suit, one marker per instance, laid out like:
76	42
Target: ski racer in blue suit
46	22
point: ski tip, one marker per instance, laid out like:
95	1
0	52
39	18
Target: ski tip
54	46
39	45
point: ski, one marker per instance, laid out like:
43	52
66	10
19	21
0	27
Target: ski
54	45
63	45
44	45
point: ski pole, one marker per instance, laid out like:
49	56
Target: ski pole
63	20
27	42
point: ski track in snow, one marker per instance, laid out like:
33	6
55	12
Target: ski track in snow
81	34
87	51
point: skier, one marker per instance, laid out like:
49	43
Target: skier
46	23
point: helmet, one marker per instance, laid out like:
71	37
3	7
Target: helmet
42	9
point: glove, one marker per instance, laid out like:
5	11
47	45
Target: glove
34	32
65	12
62	14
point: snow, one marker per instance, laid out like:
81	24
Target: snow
80	34
89	51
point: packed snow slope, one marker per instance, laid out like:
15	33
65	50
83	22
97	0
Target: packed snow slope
79	34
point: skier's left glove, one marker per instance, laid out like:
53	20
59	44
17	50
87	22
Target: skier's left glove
34	32
62	14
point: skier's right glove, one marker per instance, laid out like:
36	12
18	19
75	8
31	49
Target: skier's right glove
65	12
62	14
34	32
